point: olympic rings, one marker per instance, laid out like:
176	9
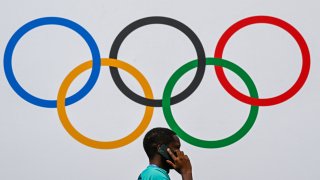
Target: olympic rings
170	22
166	102
204	143
7	61
266	101
99	144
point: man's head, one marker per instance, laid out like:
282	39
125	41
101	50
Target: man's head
158	136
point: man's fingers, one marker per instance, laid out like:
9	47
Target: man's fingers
171	154
171	163
186	156
178	152
182	153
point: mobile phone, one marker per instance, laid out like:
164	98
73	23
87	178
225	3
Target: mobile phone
164	153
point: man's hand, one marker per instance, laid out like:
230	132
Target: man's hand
181	164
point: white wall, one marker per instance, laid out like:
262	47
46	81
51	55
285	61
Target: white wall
282	144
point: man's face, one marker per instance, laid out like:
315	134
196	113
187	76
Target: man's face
175	145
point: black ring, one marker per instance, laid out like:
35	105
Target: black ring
166	21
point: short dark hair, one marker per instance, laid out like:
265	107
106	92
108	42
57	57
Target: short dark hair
155	137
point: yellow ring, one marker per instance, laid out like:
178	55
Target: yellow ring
103	144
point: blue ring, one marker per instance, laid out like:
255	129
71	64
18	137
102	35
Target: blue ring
7	62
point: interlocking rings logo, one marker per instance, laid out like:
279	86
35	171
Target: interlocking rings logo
166	101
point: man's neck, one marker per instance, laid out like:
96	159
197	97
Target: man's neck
158	162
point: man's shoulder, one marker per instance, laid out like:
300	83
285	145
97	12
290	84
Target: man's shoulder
154	173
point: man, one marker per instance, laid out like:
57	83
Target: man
159	166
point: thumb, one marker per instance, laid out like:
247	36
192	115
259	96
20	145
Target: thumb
171	164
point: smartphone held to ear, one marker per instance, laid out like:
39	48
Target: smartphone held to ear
164	153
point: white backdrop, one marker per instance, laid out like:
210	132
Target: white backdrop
282	144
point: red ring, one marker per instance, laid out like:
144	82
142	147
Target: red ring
263	101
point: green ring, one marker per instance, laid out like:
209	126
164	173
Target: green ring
205	143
